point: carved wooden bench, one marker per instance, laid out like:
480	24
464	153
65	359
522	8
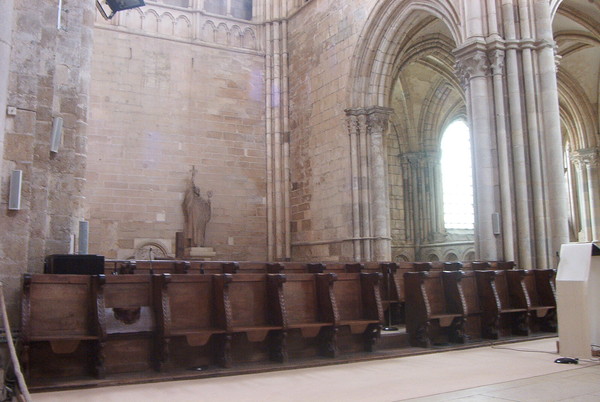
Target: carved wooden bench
250	303
303	311
355	304
541	301
434	307
470	294
126	322
57	326
503	302
390	287
190	321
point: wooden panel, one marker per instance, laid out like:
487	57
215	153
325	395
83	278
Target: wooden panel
469	287
301	301
191	301
248	298
60	306
348	296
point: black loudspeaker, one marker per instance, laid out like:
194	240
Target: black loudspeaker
84	264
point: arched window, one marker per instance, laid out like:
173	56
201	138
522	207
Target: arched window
457	177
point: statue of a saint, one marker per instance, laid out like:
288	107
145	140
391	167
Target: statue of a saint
196	212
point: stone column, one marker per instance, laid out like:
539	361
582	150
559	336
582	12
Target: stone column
352	120
365	186
586	162
377	120
557	210
473	67
504	168
517	136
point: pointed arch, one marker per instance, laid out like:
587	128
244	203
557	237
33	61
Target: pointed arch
385	34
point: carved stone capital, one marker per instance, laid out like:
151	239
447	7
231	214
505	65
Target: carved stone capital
378	119
421	158
352	122
496	57
585	157
471	61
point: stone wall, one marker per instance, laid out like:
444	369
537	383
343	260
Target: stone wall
322	38
162	103
48	77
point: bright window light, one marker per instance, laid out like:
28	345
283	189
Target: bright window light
457	177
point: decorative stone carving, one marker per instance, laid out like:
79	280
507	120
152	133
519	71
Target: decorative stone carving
197	213
378	119
496	57
190	25
471	63
583	157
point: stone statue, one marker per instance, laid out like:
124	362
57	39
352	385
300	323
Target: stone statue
196	212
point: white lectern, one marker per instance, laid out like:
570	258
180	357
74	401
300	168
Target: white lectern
578	299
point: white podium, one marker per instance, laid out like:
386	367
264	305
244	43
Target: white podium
578	299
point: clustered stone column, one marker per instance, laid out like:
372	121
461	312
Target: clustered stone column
516	174
277	131
587	162
422	173
370	201
473	71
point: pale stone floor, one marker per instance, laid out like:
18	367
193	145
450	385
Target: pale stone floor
522	371
581	385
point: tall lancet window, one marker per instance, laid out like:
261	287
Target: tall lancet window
457	176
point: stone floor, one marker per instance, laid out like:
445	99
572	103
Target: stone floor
522	371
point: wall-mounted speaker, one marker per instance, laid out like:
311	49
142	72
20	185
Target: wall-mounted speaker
56	138
14	191
496	223
84	230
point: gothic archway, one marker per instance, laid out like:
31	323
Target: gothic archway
577	34
400	40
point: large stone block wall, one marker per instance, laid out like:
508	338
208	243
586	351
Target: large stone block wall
161	105
322	38
48	77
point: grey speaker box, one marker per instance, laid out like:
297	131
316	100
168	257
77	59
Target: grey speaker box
56	138
496	223
14	191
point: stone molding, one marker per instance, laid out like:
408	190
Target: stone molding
187	25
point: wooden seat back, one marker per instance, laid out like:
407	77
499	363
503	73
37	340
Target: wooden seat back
335	267
187	307
124	304
434	293
357	300
540	287
211	267
434	297
57	307
421	266
511	289
470	293
251	303
502	265
305	302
